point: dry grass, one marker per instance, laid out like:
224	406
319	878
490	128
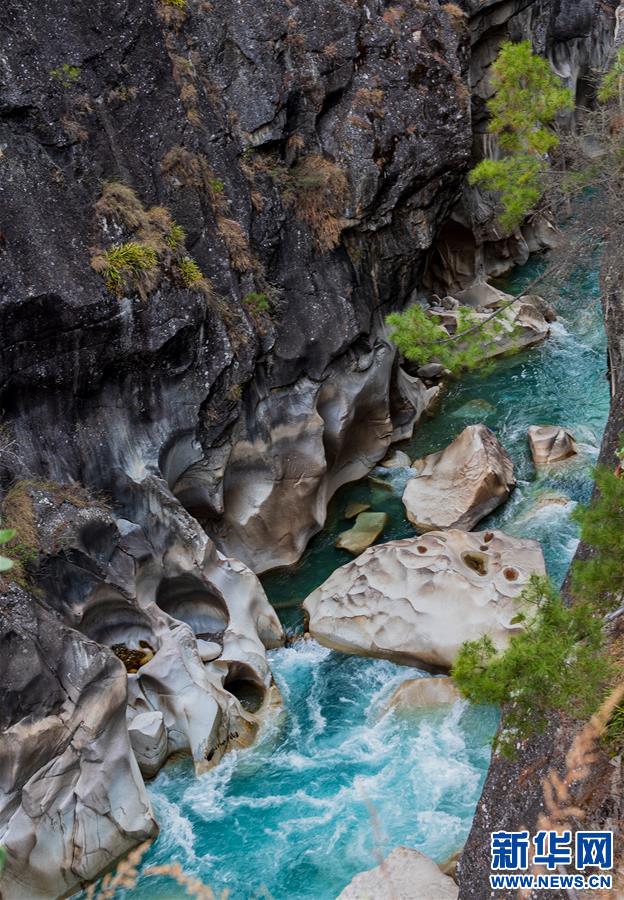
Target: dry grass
371	100
123	93
560	806
18	512
296	141
188	94
126	876
157	247
74	130
172	15
151	227
257	201
237	244
453	10
119	202
393	16
193	170
359	122
319	191
330	51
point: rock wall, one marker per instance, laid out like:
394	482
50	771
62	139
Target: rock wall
312	154
576	36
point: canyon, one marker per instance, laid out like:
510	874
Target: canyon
161	448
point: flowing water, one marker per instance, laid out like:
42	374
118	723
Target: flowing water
336	782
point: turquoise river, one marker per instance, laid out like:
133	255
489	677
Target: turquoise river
335	784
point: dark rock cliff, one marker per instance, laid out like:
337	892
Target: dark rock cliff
271	132
313	154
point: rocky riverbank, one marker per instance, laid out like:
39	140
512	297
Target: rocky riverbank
165	437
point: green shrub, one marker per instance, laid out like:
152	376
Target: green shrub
123	263
600	579
176	237
556	663
190	273
67	75
421	338
258	303
178	4
612	85
527	98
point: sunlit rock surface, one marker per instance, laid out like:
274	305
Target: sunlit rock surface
72	799
460	485
368	526
417	600
405	874
423	693
550	444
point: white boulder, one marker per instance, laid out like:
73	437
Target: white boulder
395	460
404	875
458	486
416	601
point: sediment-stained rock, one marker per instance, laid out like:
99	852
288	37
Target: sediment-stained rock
550	444
368	526
460	485
416	601
405	874
423	693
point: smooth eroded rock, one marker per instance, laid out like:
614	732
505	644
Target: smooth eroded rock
72	799
431	371
395	460
550	443
354	509
421	693
416	601
148	738
368	526
404	875
460	485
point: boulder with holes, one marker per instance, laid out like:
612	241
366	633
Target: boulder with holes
460	485
415	601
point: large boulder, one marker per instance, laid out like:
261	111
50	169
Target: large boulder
520	322
550	443
404	875
415	601
396	460
458	486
